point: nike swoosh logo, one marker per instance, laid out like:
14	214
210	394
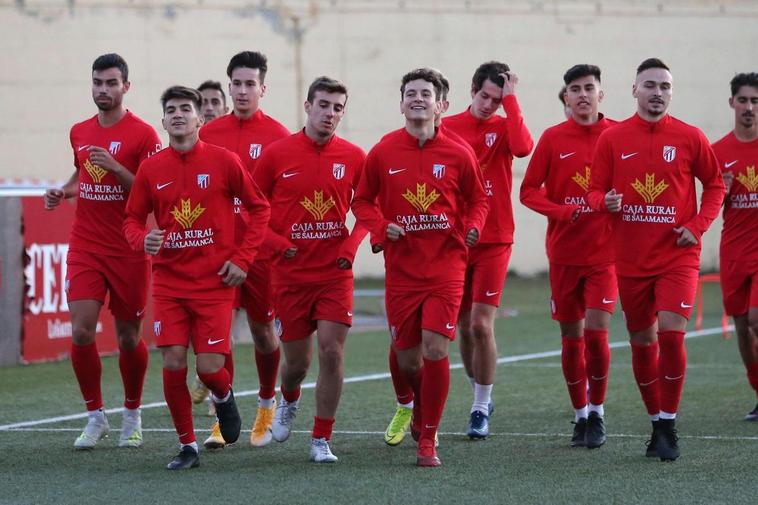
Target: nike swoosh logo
429	427
567	155
627	156
643	384
211	342
450	326
685	306
269	313
606	302
350	314
491	293
573	383
140	312
393	172
727	165
285	175
88	401
598	378
161	186
83	147
673	378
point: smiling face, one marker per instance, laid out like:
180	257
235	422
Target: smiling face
419	101
181	118
653	90
583	96
108	88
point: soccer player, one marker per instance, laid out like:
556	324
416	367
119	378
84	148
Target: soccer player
737	153
248	132
643	172
107	149
495	140
582	273
190	188
309	180
214	100
423	194
562	98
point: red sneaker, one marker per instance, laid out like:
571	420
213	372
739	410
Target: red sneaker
426	454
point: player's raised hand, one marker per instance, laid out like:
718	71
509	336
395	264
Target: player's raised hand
231	274
472	237
102	158
686	237
53	198
510	80
613	200
728	180
290	253
394	232
154	241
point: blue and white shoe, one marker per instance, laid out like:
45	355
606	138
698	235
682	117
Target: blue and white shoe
479	425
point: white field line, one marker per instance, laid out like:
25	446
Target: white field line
348	380
442	433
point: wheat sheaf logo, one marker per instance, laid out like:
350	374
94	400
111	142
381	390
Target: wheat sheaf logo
97	173
650	190
582	180
750	181
420	200
317	207
187	216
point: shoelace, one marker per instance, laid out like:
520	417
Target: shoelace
285	412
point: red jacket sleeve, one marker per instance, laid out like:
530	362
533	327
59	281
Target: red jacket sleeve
476	205
364	204
520	140
601	175
349	247
258	211
138	207
151	144
263	176
706	169
532	193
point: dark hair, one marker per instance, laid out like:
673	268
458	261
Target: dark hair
581	70
209	84
743	79
561	97
182	92
651	63
327	84
490	70
248	59
424	74
445	86
112	60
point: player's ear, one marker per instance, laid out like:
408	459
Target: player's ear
127	84
731	102
634	90
307	106
600	96
263	89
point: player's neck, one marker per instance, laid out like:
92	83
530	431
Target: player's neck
423	130
651	118
183	143
106	118
247	114
744	134
315	136
586	119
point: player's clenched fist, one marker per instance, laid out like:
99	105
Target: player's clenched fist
53	198
394	232
154	241
613	201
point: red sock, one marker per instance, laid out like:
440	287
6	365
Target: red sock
403	389
229	365
88	369
133	366
268	367
179	403
434	388
574	370
291	396
752	375
218	382
645	367
322	428
672	367
598	363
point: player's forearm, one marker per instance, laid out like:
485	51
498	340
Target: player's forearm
124	176
349	247
71	187
520	141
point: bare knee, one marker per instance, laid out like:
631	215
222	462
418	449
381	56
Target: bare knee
264	337
83	334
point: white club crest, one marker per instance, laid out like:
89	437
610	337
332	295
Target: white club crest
338	170
157	328
115	147
255	151
669	153
203	180
438	170
490	138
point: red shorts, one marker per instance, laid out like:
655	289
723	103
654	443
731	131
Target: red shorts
256	295
433	309
485	274
643	297
300	306
739	285
576	288
205	323
90	276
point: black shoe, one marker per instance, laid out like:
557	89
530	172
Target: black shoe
580	430
229	419
594	435
668	448
185	460
652	444
752	415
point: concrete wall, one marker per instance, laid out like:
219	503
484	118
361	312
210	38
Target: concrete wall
11	280
46	49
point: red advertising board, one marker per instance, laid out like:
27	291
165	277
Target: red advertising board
47	322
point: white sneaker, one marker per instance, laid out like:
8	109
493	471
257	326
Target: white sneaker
131	429
97	429
320	451
282	425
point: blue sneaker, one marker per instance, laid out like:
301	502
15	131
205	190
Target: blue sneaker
490	409
479	426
